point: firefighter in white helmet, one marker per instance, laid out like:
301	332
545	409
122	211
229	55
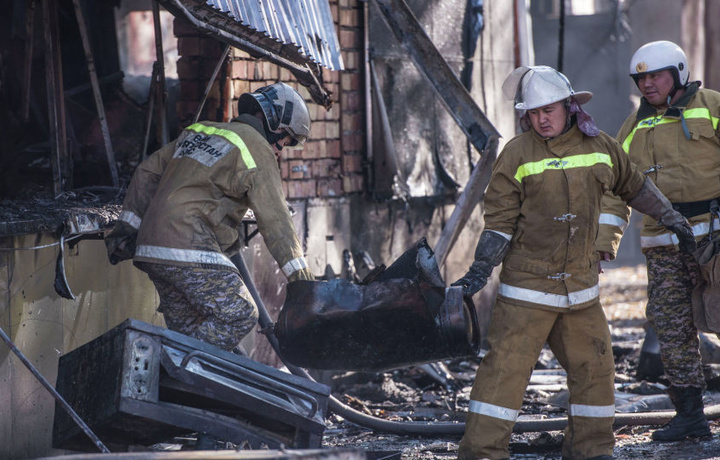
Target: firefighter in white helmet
184	205
674	138
541	219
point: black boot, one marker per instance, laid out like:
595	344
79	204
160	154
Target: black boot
690	420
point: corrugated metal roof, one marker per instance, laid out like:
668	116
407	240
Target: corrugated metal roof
307	24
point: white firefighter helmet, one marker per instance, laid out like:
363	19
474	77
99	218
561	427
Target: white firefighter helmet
660	55
537	86
283	108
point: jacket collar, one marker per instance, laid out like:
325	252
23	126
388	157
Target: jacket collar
648	110
253	121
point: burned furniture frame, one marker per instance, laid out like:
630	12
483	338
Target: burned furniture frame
140	384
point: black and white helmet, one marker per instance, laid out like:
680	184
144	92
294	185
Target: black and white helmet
283	108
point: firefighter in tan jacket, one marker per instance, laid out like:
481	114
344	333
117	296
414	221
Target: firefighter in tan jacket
185	202
541	221
674	139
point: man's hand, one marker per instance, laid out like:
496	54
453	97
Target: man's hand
475	279
684	233
120	242
604	256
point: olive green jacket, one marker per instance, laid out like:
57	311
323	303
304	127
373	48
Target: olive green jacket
187	199
545	196
679	150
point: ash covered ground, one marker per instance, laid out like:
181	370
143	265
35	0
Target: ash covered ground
413	395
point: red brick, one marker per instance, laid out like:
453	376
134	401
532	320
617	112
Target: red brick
333	113
293	154
240	87
284	168
239	69
352	142
300	169
301	189
190	90
186	109
349	17
238	53
351	81
311	150
211	110
333	149
352	183
332	129
214	90
188	46
325	168
329	187
352	101
351	59
317	130
211	48
314	110
350	39
187	68
352	163
352	121
255	85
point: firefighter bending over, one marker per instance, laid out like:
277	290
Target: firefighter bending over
541	221
185	202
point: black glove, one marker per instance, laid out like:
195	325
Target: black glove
684	233
120	242
649	200
490	252
475	279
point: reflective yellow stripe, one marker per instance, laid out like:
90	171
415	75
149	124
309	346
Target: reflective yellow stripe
651	122
702	112
575	161
232	137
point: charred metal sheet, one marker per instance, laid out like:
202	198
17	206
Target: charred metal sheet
296	34
142	384
405	316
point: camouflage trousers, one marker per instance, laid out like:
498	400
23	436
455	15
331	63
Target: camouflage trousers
210	305
672	275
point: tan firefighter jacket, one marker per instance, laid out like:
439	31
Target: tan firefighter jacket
189	197
679	149
544	196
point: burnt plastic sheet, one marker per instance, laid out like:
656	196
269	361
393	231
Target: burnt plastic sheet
404	316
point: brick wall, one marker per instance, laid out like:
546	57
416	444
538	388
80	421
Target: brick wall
331	165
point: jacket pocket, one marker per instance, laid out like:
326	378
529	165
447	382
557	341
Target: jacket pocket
515	262
701	128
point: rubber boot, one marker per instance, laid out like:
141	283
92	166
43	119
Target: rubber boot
690	420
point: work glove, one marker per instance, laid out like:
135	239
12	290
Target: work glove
649	200
676	223
489	253
120	242
476	278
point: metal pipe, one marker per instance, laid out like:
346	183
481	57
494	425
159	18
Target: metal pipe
98	443
160	59
210	83
433	428
90	61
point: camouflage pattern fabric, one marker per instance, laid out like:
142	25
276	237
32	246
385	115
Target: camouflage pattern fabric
672	275
211	305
